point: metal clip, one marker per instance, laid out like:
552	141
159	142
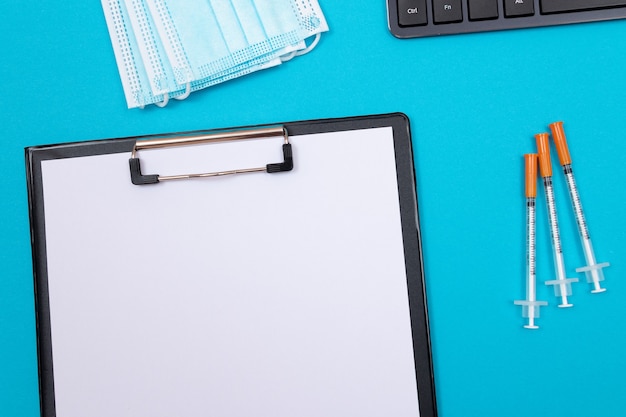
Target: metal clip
138	178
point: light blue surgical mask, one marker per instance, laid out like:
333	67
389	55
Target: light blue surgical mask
206	37
125	47
159	72
167	48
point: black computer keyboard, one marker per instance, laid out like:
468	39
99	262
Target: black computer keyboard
419	18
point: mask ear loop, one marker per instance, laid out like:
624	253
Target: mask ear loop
306	50
186	93
166	99
288	57
311	46
166	96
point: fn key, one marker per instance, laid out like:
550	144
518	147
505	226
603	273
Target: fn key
412	12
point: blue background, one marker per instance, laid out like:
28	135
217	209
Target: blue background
474	101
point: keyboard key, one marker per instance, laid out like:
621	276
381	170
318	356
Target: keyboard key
412	12
447	11
483	9
558	6
422	18
519	8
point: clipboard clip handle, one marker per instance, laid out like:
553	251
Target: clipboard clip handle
138	178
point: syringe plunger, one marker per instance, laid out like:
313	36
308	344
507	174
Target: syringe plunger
530	310
594	275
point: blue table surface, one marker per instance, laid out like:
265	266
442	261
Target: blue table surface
474	102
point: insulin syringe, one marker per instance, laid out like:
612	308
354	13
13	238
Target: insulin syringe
562	285
530	306
593	270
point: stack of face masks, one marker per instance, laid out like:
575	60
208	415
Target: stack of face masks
169	48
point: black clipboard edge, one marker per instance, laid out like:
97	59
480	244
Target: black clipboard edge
407	191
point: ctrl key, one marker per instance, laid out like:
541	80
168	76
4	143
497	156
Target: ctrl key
412	12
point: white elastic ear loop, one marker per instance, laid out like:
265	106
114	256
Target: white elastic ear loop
166	96
186	93
306	50
288	57
166	99
311	46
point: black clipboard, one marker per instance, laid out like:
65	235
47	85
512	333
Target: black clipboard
296	293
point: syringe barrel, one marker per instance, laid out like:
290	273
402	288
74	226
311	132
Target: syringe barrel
576	203
561	284
531	293
593	271
552	217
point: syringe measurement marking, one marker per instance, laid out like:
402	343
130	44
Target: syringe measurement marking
530	250
554	227
578	209
531	243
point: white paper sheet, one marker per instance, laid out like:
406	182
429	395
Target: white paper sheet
275	295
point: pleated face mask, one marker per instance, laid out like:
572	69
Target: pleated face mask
167	49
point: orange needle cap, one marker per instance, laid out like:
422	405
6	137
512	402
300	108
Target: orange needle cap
530	164
543	150
558	134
